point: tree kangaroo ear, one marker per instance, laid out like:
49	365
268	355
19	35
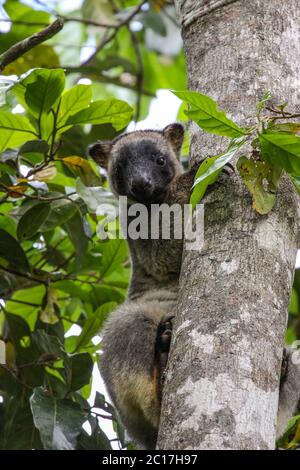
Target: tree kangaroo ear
100	151
174	133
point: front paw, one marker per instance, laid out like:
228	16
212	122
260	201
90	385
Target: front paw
163	340
164	334
284	365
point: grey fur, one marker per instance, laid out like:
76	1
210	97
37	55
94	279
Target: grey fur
289	396
130	366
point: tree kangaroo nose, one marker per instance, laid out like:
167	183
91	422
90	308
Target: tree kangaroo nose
143	183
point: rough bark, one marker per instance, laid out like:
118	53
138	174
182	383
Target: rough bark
20	48
221	389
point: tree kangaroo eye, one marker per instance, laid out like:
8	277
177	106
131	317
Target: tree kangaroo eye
161	160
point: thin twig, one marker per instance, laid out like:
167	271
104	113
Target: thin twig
170	17
20	48
13	373
44	255
67	19
39	198
110	37
25	275
62	265
93	72
89	22
287	116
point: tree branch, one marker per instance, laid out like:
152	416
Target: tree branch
20	48
111	36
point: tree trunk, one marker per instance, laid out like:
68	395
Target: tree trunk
222	382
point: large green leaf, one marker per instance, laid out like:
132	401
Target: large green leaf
29	310
113	111
93	325
210	169
204	111
114	254
80	370
59	421
72	101
282	150
17	431
32	220
61	211
39	90
11	251
48	344
95	197
15	129
104	294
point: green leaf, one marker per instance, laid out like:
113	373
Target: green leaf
60	212
19	12
19	431
11	251
103	9
15	129
296	182
282	150
114	254
32	220
113	111
48	344
210	169
34	146
81	367
82	168
39	90
96	441
73	100
94	197
32	295
40	56
59	421
104	294
26	350
75	230
93	324
154	21
262	102
201	187
75	290
204	111
291	429
284	127
254	173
